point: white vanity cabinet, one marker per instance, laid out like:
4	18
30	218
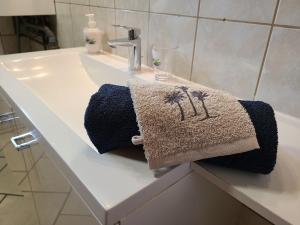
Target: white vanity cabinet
31	180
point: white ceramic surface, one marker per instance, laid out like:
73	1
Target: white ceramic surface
53	89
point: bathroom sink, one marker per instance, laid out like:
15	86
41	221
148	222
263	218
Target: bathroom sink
69	74
53	88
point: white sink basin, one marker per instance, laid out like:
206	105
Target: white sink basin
53	89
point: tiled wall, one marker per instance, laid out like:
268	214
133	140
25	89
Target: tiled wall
250	48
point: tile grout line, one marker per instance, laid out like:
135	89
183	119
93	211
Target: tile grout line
69	214
62	207
266	50
149	60
195	40
180	15
11	194
4	197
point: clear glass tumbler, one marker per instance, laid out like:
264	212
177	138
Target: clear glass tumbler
163	59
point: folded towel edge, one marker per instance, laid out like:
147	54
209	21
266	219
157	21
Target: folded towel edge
246	144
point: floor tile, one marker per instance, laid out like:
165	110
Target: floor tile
76	220
48	206
8	183
75	206
18	211
45	177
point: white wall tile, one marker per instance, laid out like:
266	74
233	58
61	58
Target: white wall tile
142	5
133	19
64	25
181	7
103	3
79	22
253	10
82	2
228	56
280	79
289	13
105	18
6	25
174	31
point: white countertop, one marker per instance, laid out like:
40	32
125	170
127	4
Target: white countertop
53	89
275	196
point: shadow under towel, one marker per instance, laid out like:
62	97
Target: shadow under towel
187	123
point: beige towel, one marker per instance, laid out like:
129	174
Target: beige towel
187	123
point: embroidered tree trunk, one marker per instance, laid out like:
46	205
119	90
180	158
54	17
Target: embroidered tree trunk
181	111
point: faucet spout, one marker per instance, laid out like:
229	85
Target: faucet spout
133	43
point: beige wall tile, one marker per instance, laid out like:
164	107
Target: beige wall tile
181	7
228	56
280	81
133	19
103	3
254	10
79	22
105	18
64	25
289	13
142	5
174	31
6	25
82	2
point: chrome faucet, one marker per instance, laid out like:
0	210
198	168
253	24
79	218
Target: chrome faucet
133	42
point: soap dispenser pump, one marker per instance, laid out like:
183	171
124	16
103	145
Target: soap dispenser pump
92	36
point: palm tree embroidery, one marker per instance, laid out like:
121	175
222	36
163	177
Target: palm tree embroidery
185	90
201	97
175	98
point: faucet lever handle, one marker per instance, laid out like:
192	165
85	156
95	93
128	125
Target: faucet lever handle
133	33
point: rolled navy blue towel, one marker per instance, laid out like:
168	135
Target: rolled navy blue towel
260	160
110	122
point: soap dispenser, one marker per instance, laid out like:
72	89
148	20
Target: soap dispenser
92	36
